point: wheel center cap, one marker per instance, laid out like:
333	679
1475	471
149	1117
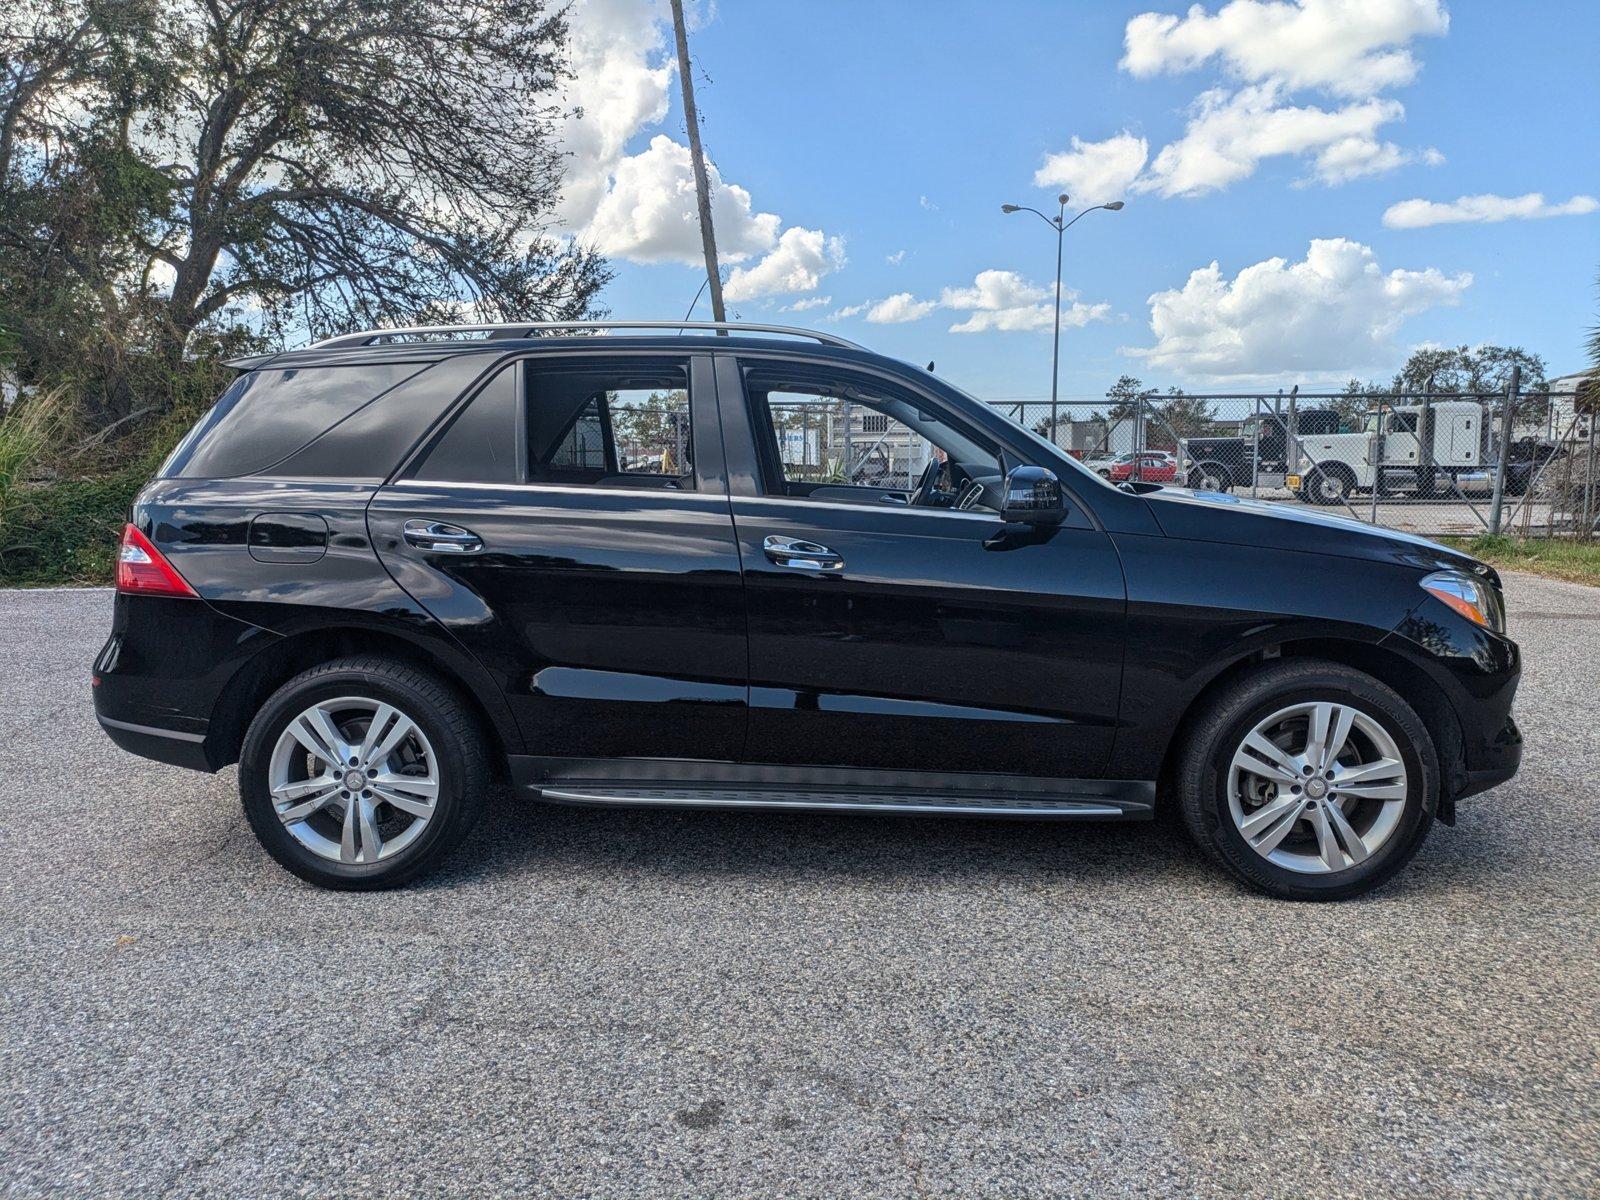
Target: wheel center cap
354	780
1316	789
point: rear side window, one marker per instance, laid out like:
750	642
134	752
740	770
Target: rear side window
620	424
481	444
267	415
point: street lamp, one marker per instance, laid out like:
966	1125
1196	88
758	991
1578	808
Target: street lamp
1060	225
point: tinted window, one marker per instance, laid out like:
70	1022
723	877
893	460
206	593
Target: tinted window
620	424
584	446
267	415
480	446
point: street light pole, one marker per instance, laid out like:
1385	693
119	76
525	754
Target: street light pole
1060	224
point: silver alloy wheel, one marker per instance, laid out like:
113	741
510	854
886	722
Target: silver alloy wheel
354	780
1317	787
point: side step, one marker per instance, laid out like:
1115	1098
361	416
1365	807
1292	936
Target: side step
1097	808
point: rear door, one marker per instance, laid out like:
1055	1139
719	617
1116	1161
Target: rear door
895	621
571	526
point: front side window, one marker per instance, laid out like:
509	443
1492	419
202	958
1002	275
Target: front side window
838	437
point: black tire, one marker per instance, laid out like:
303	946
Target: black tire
1210	477
1328	486
1215	733
457	739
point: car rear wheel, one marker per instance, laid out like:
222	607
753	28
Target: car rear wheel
362	773
1309	781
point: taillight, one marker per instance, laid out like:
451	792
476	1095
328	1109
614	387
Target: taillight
142	570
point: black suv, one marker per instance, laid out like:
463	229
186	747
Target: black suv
768	569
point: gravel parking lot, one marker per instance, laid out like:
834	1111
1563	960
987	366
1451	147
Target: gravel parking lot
679	1004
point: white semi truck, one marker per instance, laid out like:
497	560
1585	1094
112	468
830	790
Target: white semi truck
1429	450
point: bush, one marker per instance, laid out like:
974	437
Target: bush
68	531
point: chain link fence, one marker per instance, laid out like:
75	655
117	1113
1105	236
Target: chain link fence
1524	463
1427	463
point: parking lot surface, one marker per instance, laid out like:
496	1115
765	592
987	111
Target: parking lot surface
683	1004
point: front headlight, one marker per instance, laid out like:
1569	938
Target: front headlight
1473	598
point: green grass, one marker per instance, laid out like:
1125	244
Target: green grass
1554	558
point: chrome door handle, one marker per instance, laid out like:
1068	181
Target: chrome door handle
440	538
801	554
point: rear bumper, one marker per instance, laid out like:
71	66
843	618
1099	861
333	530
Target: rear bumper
164	745
158	678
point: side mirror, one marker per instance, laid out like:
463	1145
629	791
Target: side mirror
1033	497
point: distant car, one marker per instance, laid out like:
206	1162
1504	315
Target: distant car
1146	468
1101	464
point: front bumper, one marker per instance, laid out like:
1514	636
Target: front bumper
1476	672
1502	758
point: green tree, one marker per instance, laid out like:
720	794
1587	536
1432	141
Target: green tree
176	167
1183	415
1469	370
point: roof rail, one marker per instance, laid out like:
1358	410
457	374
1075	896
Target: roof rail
520	329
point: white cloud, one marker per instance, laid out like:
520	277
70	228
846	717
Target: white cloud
641	207
1332	313
925	203
1419	214
1347	47
798	263
621	77
1004	301
895	259
649	215
1095	172
1229	134
899	308
807	304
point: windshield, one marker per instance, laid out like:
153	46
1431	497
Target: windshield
1082	471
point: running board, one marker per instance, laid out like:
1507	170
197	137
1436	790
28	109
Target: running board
1097	808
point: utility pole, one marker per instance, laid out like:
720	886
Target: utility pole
702	187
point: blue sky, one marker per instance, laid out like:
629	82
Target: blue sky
863	151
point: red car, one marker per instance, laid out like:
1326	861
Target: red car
1151	467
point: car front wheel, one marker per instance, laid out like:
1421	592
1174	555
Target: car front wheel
1309	781
362	773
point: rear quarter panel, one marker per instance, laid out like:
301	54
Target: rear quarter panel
203	527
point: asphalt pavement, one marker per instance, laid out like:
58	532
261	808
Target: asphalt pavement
663	1004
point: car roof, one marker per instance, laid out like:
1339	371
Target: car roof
436	349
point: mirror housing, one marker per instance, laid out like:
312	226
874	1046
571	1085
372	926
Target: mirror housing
1033	497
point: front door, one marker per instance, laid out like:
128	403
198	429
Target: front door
895	621
571	527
